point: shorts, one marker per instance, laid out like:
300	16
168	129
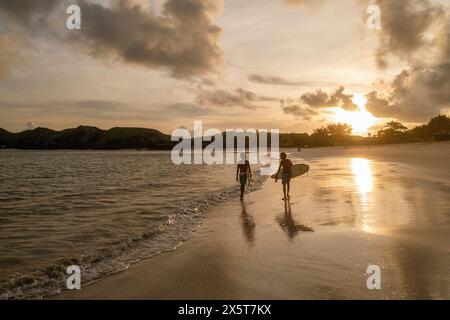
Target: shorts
243	178
286	178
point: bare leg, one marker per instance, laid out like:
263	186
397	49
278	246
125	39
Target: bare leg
242	190
284	190
288	189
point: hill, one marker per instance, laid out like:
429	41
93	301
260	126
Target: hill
6	138
85	137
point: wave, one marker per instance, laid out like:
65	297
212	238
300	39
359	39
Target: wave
180	225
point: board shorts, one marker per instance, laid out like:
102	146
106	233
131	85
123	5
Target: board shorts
243	178
286	178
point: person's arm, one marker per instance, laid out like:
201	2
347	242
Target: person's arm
249	172
237	173
276	175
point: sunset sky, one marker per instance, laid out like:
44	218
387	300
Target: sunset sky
295	65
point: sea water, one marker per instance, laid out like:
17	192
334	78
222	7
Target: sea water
100	210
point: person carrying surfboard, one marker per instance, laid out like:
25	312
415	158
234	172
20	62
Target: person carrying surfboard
243	173
286	164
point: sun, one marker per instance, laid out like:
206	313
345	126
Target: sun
360	120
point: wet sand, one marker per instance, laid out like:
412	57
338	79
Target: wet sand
359	206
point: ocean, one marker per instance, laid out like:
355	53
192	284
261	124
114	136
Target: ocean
101	210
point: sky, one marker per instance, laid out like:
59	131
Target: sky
293	65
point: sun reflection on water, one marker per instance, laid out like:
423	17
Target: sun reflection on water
362	175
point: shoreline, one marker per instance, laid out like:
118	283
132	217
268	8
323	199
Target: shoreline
261	249
281	147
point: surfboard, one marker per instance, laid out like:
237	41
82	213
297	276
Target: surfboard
297	170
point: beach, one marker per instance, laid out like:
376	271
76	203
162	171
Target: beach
387	206
139	138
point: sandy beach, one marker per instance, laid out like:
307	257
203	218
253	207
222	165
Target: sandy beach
348	213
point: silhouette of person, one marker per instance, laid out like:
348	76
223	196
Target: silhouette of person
286	176
243	173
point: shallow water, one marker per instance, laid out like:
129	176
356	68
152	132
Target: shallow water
100	210
372	194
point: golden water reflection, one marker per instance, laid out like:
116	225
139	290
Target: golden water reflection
363	178
362	174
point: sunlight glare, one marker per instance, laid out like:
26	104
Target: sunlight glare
362	175
360	120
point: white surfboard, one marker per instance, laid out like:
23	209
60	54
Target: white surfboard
296	169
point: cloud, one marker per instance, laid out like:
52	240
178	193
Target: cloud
315	103
182	39
290	106
415	95
224	98
419	33
28	11
30	125
320	99
272	80
404	28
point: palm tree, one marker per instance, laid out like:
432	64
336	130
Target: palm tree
339	129
395	127
392	132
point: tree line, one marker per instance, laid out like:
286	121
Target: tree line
338	134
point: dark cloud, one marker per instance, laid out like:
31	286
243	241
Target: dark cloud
404	28
272	80
317	99
419	33
414	96
291	106
183	39
224	98
321	99
27	11
313	103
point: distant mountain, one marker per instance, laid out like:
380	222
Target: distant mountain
6	138
84	137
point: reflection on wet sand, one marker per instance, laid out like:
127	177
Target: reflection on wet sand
248	224
362	175
288	224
